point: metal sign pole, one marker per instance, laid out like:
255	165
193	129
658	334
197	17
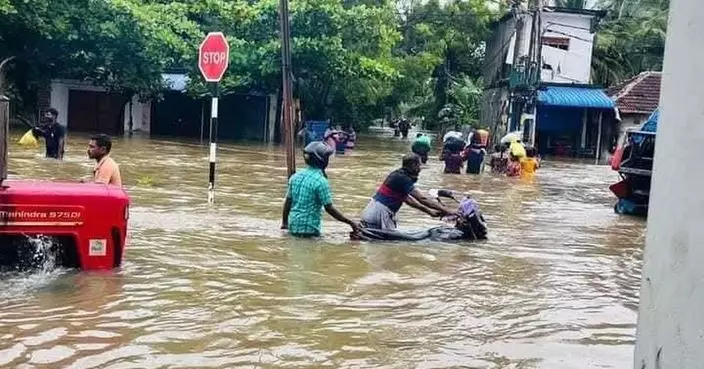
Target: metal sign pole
213	141
213	59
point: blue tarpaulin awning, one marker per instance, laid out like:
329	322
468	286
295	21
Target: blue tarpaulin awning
574	97
652	124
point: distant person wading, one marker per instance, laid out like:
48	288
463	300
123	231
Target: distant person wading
54	135
421	147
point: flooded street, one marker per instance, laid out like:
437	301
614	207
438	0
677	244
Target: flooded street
555	286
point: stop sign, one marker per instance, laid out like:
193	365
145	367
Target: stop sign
213	56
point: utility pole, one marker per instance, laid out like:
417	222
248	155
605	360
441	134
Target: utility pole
517	49
535	69
287	95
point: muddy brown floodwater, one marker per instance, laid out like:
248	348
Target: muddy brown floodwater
556	286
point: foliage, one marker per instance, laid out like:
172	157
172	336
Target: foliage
632	39
341	52
353	60
442	43
465	95
121	44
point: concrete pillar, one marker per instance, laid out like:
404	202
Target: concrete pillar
271	118
670	332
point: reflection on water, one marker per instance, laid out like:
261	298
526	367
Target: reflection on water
555	286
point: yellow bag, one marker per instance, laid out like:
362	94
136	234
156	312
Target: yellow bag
517	149
28	139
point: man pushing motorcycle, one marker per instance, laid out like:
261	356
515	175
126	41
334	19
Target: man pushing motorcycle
397	189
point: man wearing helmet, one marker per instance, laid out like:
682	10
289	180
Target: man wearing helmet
308	192
397	189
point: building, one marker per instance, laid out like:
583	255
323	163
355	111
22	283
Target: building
250	117
84	107
557	108
636	99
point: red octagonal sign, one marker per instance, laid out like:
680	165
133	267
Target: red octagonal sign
213	56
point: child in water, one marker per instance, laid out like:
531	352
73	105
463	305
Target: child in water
351	138
340	140
530	163
499	159
513	169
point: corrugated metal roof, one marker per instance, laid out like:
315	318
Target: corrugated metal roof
574	97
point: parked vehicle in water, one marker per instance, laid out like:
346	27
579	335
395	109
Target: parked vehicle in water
633	160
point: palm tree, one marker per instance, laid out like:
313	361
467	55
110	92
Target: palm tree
631	40
465	94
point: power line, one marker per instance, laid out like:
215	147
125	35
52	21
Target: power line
568	35
568	26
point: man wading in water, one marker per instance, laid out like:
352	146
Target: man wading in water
106	170
308	192
53	133
399	188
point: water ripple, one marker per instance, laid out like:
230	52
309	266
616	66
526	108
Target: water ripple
555	286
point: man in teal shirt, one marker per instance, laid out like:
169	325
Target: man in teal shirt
309	192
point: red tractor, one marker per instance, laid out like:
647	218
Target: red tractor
84	224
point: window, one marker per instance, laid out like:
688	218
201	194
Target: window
562	43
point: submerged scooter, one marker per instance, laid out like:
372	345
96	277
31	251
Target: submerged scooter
469	225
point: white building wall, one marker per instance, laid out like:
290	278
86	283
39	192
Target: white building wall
58	99
589	4
571	66
141	116
575	64
631	122
670	333
141	112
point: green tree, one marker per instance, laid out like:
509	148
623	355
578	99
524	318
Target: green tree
631	39
449	39
341	52
353	60
121	44
466	95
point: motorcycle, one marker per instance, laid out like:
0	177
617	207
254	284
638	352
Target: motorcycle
469	225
